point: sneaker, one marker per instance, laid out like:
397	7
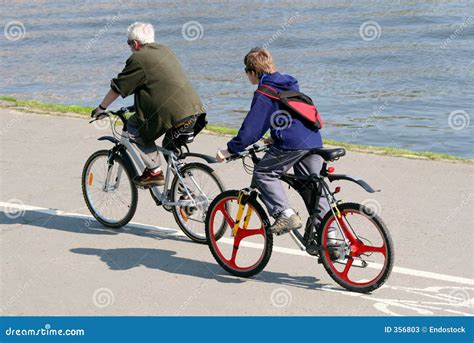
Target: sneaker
284	224
148	178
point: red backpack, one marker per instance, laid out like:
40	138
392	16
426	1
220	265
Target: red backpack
298	103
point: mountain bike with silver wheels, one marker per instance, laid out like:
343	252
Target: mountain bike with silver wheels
111	195
350	240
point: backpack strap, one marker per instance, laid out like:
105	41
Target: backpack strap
268	91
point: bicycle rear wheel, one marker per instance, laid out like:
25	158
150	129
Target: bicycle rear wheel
359	255
108	189
246	251
204	185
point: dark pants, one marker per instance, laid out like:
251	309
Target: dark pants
267	173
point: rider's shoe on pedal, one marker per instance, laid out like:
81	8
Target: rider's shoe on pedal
286	222
149	178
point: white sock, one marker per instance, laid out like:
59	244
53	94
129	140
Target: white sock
288	212
156	170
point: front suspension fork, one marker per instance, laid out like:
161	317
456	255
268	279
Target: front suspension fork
244	196
110	165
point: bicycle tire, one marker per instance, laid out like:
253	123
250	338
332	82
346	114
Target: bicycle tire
134	192
268	246
175	209
379	280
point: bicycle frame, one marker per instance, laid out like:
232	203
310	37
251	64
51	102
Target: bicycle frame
322	189
173	166
331	233
310	188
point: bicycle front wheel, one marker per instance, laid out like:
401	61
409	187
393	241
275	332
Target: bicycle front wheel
203	186
244	249
358	253
108	189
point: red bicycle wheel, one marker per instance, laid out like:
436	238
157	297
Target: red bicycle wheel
358	253
242	250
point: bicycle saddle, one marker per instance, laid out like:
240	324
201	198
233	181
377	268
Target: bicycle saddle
329	154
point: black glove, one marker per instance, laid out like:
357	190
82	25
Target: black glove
98	111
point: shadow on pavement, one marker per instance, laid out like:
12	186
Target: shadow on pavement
84	225
165	260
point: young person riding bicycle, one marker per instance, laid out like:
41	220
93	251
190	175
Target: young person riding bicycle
165	101
291	139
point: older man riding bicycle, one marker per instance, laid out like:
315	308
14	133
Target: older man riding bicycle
165	101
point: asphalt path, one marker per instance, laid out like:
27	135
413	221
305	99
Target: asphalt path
56	260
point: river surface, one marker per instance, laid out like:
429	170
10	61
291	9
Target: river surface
388	73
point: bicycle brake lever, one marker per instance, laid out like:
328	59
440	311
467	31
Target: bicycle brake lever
98	118
234	157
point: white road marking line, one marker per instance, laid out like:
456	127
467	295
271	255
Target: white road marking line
288	251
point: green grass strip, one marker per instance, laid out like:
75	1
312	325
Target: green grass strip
47	106
380	150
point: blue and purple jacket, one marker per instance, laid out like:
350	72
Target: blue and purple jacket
296	135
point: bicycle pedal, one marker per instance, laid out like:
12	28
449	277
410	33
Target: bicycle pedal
143	186
313	249
280	232
168	207
146	186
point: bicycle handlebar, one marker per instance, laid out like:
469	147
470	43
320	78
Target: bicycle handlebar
123	110
252	152
119	113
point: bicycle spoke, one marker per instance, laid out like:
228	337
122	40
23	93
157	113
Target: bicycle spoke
119	198
363	249
243	233
226	215
195	220
348	233
231	261
348	266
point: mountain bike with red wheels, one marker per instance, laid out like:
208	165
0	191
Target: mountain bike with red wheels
350	240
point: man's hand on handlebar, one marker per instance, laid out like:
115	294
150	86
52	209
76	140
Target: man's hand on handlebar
97	112
221	155
100	113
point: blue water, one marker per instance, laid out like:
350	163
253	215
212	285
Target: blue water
396	90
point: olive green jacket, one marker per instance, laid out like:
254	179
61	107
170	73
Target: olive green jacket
163	93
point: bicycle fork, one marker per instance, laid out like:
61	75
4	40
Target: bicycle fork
110	165
347	235
242	200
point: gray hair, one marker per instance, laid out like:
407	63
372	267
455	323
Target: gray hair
142	32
